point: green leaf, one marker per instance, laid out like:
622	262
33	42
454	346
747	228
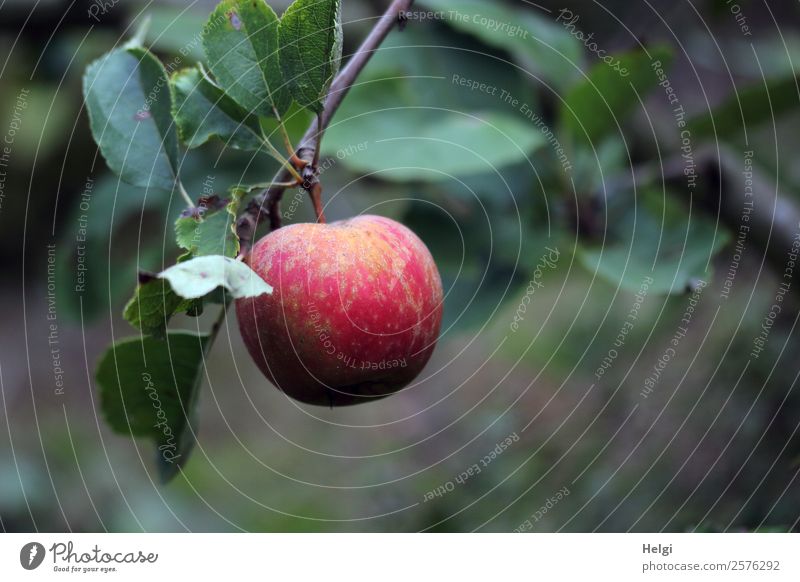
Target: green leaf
197	277
203	111
153	305
128	99
414	144
401	98
595	106
657	239
208	236
311	49
752	106
540	45
214	233
240	40
428	76
148	388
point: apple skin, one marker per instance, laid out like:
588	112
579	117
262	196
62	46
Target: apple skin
355	313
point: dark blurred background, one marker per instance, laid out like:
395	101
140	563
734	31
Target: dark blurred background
710	443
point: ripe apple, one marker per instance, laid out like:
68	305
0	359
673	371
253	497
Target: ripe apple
355	313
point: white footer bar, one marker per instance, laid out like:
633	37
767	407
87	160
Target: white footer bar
402	557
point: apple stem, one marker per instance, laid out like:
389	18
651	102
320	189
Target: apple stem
316	198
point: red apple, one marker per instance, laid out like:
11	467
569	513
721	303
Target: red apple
355	313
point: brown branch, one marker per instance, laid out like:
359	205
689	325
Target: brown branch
268	202
772	222
774	218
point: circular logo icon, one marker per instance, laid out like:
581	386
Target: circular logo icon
31	555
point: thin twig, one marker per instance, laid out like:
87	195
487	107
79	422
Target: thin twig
185	195
268	202
318	141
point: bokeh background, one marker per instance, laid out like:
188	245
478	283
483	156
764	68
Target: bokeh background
605	433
